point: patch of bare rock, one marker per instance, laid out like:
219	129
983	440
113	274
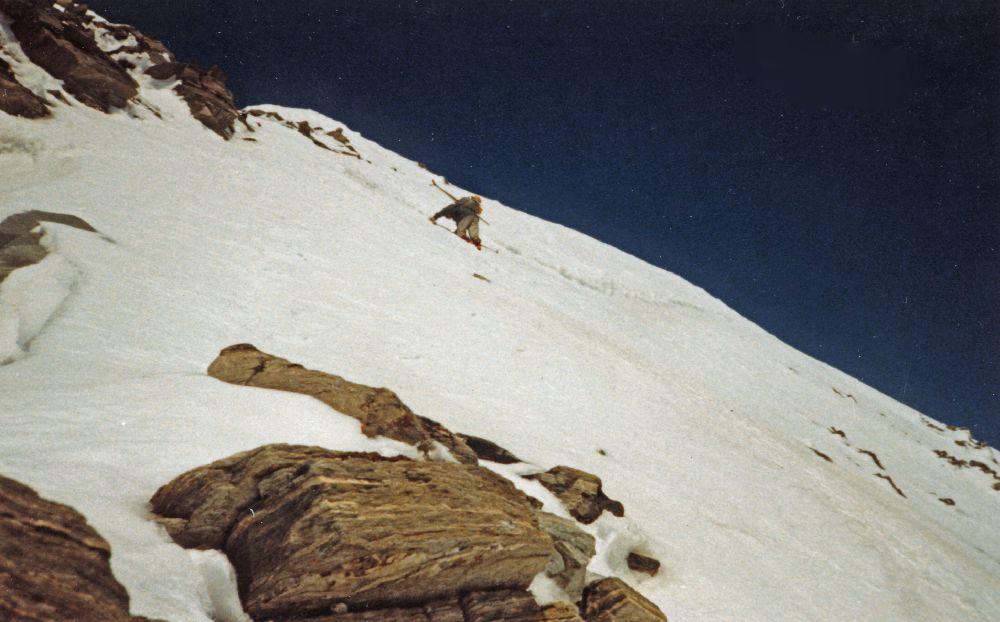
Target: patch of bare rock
309	131
329	536
325	536
311	531
379	410
581	492
61	43
205	93
612	600
16	99
20	244
53	565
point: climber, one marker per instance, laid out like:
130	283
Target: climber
465	212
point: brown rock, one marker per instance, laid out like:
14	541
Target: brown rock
53	565
499	605
205	93
21	246
488	450
611	600
513	606
308	529
61	44
643	563
574	550
580	492
380	411
16	99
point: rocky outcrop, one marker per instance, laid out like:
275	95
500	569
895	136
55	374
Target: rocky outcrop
314	532
488	450
21	246
612	600
53	565
61	43
380	411
491	606
17	100
205	93
580	492
574	550
312	132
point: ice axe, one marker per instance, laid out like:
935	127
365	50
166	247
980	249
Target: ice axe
453	197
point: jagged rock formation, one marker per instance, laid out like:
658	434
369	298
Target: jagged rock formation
580	492
380	411
205	93
21	246
612	600
61	43
64	42
312	531
17	100
53	565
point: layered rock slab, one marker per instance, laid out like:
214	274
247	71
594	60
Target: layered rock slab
53	565
580	492
612	600
311	530
489	606
379	410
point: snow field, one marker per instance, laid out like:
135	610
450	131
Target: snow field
707	424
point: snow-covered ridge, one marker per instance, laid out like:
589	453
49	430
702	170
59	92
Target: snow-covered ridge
770	485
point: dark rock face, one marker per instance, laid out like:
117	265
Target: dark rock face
312	531
205	93
380	411
60	43
580	492
612	600
17	100
488	450
53	565
20	246
491	606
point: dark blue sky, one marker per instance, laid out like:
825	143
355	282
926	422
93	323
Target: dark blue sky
830	170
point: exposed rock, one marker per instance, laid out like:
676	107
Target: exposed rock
488	450
497	605
53	565
580	492
574	550
205	93
60	43
309	530
380	411
154	49
513	606
20	246
611	600
643	563
16	99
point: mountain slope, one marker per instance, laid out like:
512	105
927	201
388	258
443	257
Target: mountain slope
770	485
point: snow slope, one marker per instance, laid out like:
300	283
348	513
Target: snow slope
771	486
